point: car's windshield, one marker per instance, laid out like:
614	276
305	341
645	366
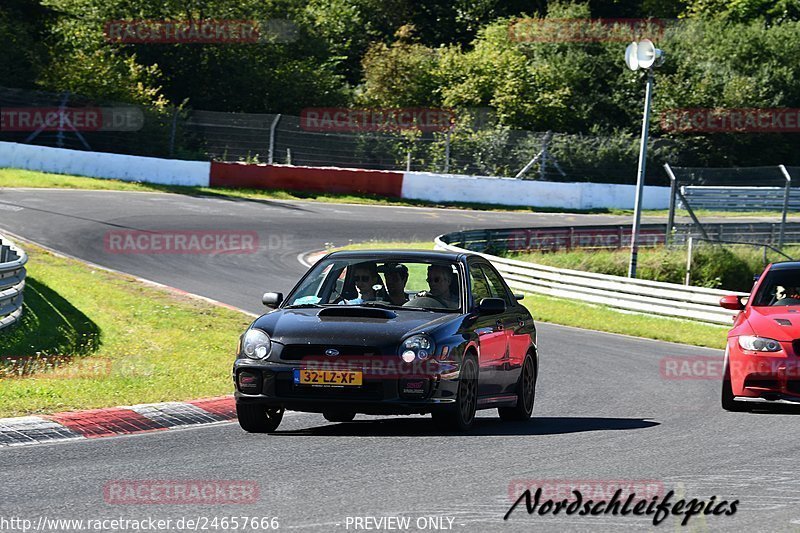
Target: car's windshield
780	287
383	282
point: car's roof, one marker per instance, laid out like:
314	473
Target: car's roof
397	254
786	265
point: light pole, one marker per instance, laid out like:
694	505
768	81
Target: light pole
646	56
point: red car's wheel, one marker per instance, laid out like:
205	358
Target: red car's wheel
728	403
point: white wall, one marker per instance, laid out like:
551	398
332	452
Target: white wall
105	165
510	191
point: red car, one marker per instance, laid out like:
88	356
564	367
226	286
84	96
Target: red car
762	358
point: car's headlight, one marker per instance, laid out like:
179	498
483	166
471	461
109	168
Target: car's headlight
417	347
759	344
256	344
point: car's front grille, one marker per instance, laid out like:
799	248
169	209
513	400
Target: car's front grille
298	352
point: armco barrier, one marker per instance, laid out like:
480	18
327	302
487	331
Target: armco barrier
642	296
741	198
12	282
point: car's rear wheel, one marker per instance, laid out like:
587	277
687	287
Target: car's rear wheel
255	418
728	403
461	416
526	395
339	416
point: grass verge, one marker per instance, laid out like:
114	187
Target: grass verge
595	317
92	338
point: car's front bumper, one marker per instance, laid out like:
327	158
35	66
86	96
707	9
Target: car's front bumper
764	376
272	384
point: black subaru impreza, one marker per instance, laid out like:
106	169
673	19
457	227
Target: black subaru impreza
389	332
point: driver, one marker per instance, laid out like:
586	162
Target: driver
440	281
788	296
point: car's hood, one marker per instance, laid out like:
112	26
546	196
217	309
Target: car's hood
312	326
764	322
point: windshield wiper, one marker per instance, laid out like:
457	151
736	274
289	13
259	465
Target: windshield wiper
302	306
380	305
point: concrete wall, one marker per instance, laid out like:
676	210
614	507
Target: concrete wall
104	165
510	191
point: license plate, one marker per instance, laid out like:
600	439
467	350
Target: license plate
327	377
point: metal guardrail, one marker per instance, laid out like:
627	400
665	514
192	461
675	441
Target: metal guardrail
751	232
628	294
12	282
741	198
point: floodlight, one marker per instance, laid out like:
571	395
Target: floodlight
643	54
630	56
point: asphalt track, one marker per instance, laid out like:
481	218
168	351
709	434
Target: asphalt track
604	413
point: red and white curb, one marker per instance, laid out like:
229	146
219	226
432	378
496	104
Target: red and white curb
115	421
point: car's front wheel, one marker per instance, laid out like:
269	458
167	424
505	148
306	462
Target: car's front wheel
255	418
728	403
526	395
461	416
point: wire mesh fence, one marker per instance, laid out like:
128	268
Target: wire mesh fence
470	145
473	143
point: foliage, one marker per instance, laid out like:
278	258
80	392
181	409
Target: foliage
714	266
516	58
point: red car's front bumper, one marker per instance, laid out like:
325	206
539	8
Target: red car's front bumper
770	376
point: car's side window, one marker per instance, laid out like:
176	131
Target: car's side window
480	287
496	284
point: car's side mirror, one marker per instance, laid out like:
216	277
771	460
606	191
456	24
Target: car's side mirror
272	299
492	306
732	302
519	296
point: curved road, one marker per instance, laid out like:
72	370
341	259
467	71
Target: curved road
604	413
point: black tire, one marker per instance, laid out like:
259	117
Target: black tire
255	418
526	395
728	403
461	416
339	416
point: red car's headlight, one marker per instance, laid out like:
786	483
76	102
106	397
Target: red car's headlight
759	344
